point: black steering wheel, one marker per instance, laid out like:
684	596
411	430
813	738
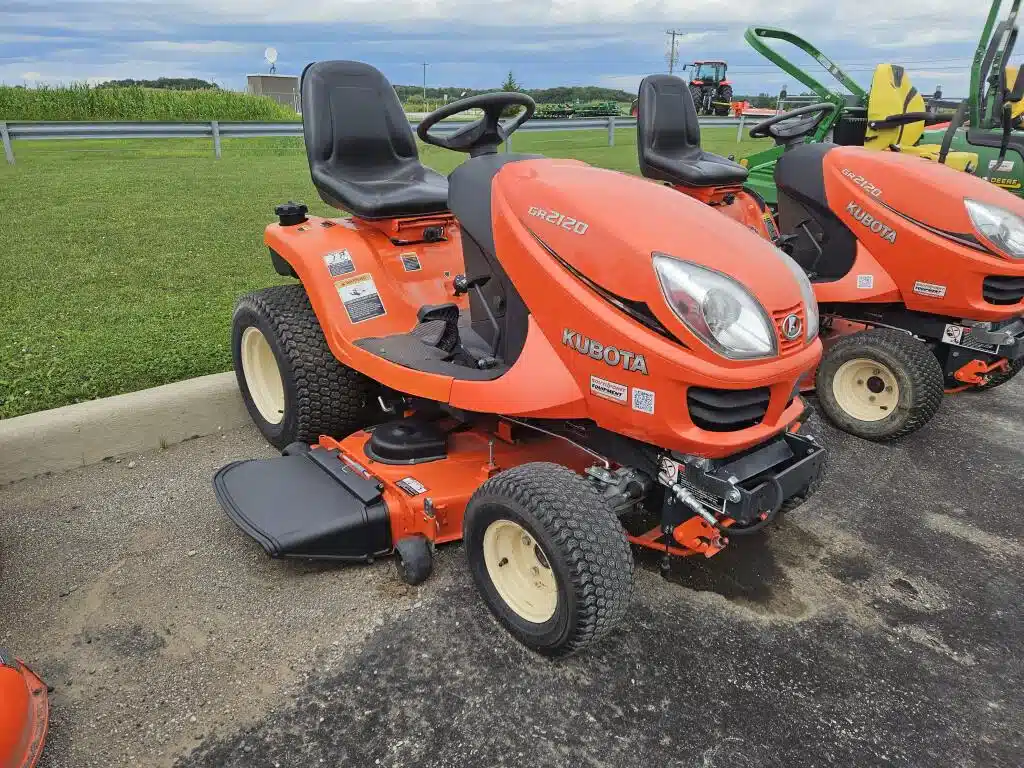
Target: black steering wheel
482	136
791	127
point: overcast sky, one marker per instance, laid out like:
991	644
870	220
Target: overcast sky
471	43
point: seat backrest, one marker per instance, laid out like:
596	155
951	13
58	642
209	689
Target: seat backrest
666	121
892	94
1018	107
354	126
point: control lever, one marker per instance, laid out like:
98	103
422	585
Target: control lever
464	285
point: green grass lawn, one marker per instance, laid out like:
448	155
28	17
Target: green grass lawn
121	260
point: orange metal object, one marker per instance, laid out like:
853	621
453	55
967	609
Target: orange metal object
693	537
474	456
24	716
976	371
609	254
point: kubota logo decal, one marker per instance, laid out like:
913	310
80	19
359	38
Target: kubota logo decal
792	326
613	356
884	231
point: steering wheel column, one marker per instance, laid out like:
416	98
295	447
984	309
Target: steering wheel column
484	135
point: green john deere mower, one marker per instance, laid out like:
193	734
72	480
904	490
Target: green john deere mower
994	104
891	116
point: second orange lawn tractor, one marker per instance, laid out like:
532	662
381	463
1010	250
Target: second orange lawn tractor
568	360
24	714
918	268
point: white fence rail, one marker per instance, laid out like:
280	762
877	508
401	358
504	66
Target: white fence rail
216	130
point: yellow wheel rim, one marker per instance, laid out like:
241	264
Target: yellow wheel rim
262	376
866	389
520	571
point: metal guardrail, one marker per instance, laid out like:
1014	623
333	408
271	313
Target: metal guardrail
216	130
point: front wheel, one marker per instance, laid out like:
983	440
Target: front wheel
549	558
880	384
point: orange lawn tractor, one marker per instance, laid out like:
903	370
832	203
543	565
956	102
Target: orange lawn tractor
24	714
918	268
531	355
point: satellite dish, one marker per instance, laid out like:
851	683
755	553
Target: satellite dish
271	56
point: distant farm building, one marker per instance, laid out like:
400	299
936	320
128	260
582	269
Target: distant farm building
284	89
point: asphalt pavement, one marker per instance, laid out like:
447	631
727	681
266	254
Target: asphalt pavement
881	624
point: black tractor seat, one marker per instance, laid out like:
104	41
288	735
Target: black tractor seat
361	149
668	138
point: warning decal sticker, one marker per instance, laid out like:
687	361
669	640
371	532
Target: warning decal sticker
952	334
412	486
360	297
411	262
339	263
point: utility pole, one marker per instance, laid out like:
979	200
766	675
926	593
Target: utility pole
424	81
673	52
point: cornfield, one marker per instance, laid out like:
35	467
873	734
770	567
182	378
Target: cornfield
81	102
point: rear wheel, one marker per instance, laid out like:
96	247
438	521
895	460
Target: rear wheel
293	387
725	96
998	379
549	558
698	98
879	384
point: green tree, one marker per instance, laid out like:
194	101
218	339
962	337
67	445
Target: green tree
510	83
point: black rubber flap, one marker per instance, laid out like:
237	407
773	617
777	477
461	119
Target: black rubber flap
294	507
407	441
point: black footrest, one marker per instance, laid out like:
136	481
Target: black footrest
310	505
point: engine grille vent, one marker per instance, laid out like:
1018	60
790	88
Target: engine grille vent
727	410
1003	290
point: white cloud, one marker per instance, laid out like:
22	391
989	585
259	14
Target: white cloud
846	20
200	47
629	83
14	39
64	72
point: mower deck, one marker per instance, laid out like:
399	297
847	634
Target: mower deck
342	500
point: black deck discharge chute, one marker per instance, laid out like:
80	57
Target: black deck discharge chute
308	505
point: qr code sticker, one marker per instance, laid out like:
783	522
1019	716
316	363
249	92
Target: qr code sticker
865	282
643	400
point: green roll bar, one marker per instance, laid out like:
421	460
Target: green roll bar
756	37
989	67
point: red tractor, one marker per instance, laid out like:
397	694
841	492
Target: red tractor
711	91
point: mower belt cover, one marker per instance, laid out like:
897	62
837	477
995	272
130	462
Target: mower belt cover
892	94
24	714
307	505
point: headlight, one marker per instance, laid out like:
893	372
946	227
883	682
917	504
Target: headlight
806	292
1003	229
719	310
